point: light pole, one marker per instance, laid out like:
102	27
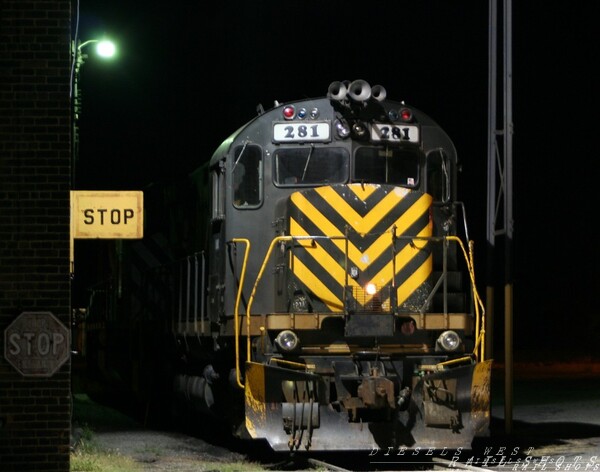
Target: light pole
105	49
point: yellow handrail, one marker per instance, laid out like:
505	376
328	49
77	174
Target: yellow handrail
250	300
479	321
236	313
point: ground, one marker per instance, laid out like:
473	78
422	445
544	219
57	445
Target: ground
102	438
556	411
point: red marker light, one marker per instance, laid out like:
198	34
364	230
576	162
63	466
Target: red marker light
406	114
289	112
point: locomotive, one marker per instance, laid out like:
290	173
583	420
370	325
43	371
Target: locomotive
312	284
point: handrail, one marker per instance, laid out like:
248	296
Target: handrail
251	299
236	313
479	320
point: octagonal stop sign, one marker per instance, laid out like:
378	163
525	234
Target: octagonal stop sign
36	343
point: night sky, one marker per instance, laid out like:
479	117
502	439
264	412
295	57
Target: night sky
189	73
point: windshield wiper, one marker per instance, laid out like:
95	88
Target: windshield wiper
312	146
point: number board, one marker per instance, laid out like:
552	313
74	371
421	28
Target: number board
301	131
395	133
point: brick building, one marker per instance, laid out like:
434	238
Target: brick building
35	157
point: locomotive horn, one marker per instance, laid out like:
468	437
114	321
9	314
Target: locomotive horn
337	91
378	92
359	91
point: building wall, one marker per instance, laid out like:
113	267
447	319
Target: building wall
35	156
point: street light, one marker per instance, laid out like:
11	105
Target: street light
105	49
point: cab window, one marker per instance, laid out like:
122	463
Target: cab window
438	176
310	165
387	166
247	176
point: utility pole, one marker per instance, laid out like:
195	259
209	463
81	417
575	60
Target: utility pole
500	185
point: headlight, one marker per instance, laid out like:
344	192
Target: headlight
287	340
449	341
359	129
342	128
371	289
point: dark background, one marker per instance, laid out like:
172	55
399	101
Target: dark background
189	73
